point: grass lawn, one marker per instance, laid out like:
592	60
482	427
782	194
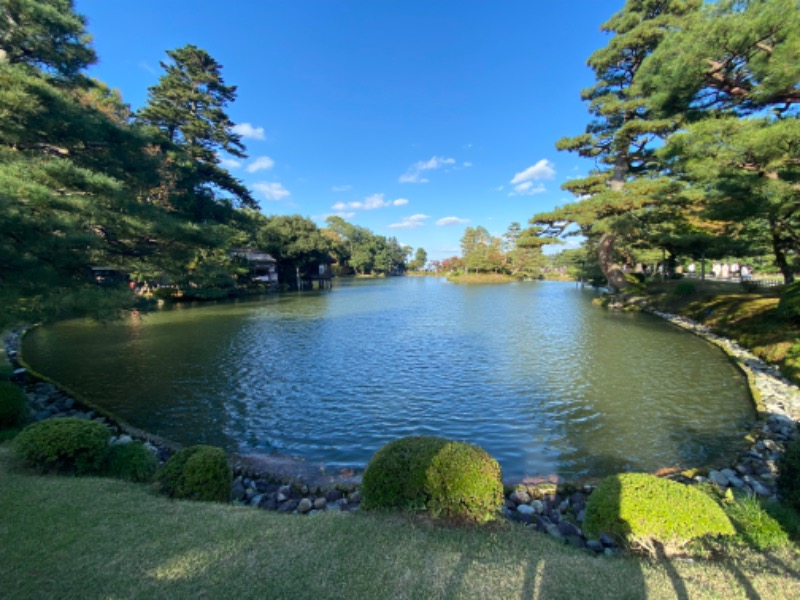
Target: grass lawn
63	537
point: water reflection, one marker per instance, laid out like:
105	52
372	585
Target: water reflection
534	373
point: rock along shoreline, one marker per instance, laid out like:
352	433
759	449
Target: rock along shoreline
291	485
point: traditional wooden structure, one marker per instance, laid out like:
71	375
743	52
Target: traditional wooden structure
321	273
263	267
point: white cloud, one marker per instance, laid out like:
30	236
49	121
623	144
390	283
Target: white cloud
147	67
246	130
370	203
415	171
272	190
342	188
467	165
444	222
262	163
543	169
229	163
411	222
528	189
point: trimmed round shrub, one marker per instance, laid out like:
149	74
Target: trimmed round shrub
196	473
13	406
63	445
131	462
455	480
464	483
788	482
644	512
395	477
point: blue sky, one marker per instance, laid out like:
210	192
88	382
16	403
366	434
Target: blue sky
414	119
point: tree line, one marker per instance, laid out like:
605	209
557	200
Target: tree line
695	134
86	181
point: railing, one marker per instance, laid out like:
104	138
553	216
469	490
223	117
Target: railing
759	281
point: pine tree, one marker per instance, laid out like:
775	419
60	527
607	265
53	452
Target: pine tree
47	35
188	107
623	136
732	75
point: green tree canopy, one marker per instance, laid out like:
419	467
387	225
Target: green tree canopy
188	107
47	35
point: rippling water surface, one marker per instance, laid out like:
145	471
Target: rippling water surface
546	382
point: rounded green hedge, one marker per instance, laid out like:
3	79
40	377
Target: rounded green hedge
196	473
13	406
450	479
464	482
644	511
131	462
63	445
788	482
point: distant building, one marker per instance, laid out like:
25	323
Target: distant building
263	267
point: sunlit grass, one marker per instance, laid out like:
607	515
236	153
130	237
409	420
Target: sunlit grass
98	538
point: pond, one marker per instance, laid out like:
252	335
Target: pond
545	381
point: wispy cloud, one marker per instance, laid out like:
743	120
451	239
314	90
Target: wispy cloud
262	163
444	222
246	130
414	174
229	163
145	66
523	181
411	222
370	203
271	190
527	188
342	188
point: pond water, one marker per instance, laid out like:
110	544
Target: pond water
545	381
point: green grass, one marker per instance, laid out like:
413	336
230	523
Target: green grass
66	537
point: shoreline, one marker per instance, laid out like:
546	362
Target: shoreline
776	400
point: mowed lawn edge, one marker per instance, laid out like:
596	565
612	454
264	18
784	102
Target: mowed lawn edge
66	537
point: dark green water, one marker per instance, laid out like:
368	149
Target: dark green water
533	372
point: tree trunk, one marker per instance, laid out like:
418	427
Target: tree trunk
780	253
611	270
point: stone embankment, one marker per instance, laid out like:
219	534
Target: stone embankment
778	404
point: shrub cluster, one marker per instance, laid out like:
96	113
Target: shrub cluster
13	406
130	462
196	473
449	479
788	483
63	445
645	512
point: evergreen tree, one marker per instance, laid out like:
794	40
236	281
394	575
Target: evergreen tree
47	35
188	107
623	136
731	74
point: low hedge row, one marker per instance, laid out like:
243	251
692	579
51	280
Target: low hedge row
448	479
81	447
